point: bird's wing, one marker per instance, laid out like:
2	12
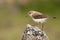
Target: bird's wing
39	16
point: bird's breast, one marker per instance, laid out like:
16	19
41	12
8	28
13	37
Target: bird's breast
40	20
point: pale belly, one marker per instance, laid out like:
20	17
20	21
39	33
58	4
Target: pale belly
40	20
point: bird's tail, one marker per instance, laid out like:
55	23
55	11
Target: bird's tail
54	17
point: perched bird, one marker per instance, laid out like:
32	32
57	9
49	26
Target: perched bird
33	33
39	17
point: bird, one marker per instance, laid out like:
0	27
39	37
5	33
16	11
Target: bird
33	33
39	17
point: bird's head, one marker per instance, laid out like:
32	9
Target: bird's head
30	13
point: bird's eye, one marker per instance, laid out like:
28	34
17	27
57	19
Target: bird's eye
29	12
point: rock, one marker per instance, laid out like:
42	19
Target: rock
34	33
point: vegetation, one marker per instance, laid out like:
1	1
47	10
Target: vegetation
14	18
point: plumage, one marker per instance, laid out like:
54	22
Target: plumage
39	16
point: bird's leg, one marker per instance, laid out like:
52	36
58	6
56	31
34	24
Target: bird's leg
35	24
42	31
42	27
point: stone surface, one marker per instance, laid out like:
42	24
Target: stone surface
34	33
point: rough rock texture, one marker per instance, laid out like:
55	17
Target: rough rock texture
34	33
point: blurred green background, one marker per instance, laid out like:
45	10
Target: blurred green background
14	18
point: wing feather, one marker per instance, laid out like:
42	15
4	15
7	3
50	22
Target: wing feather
39	16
